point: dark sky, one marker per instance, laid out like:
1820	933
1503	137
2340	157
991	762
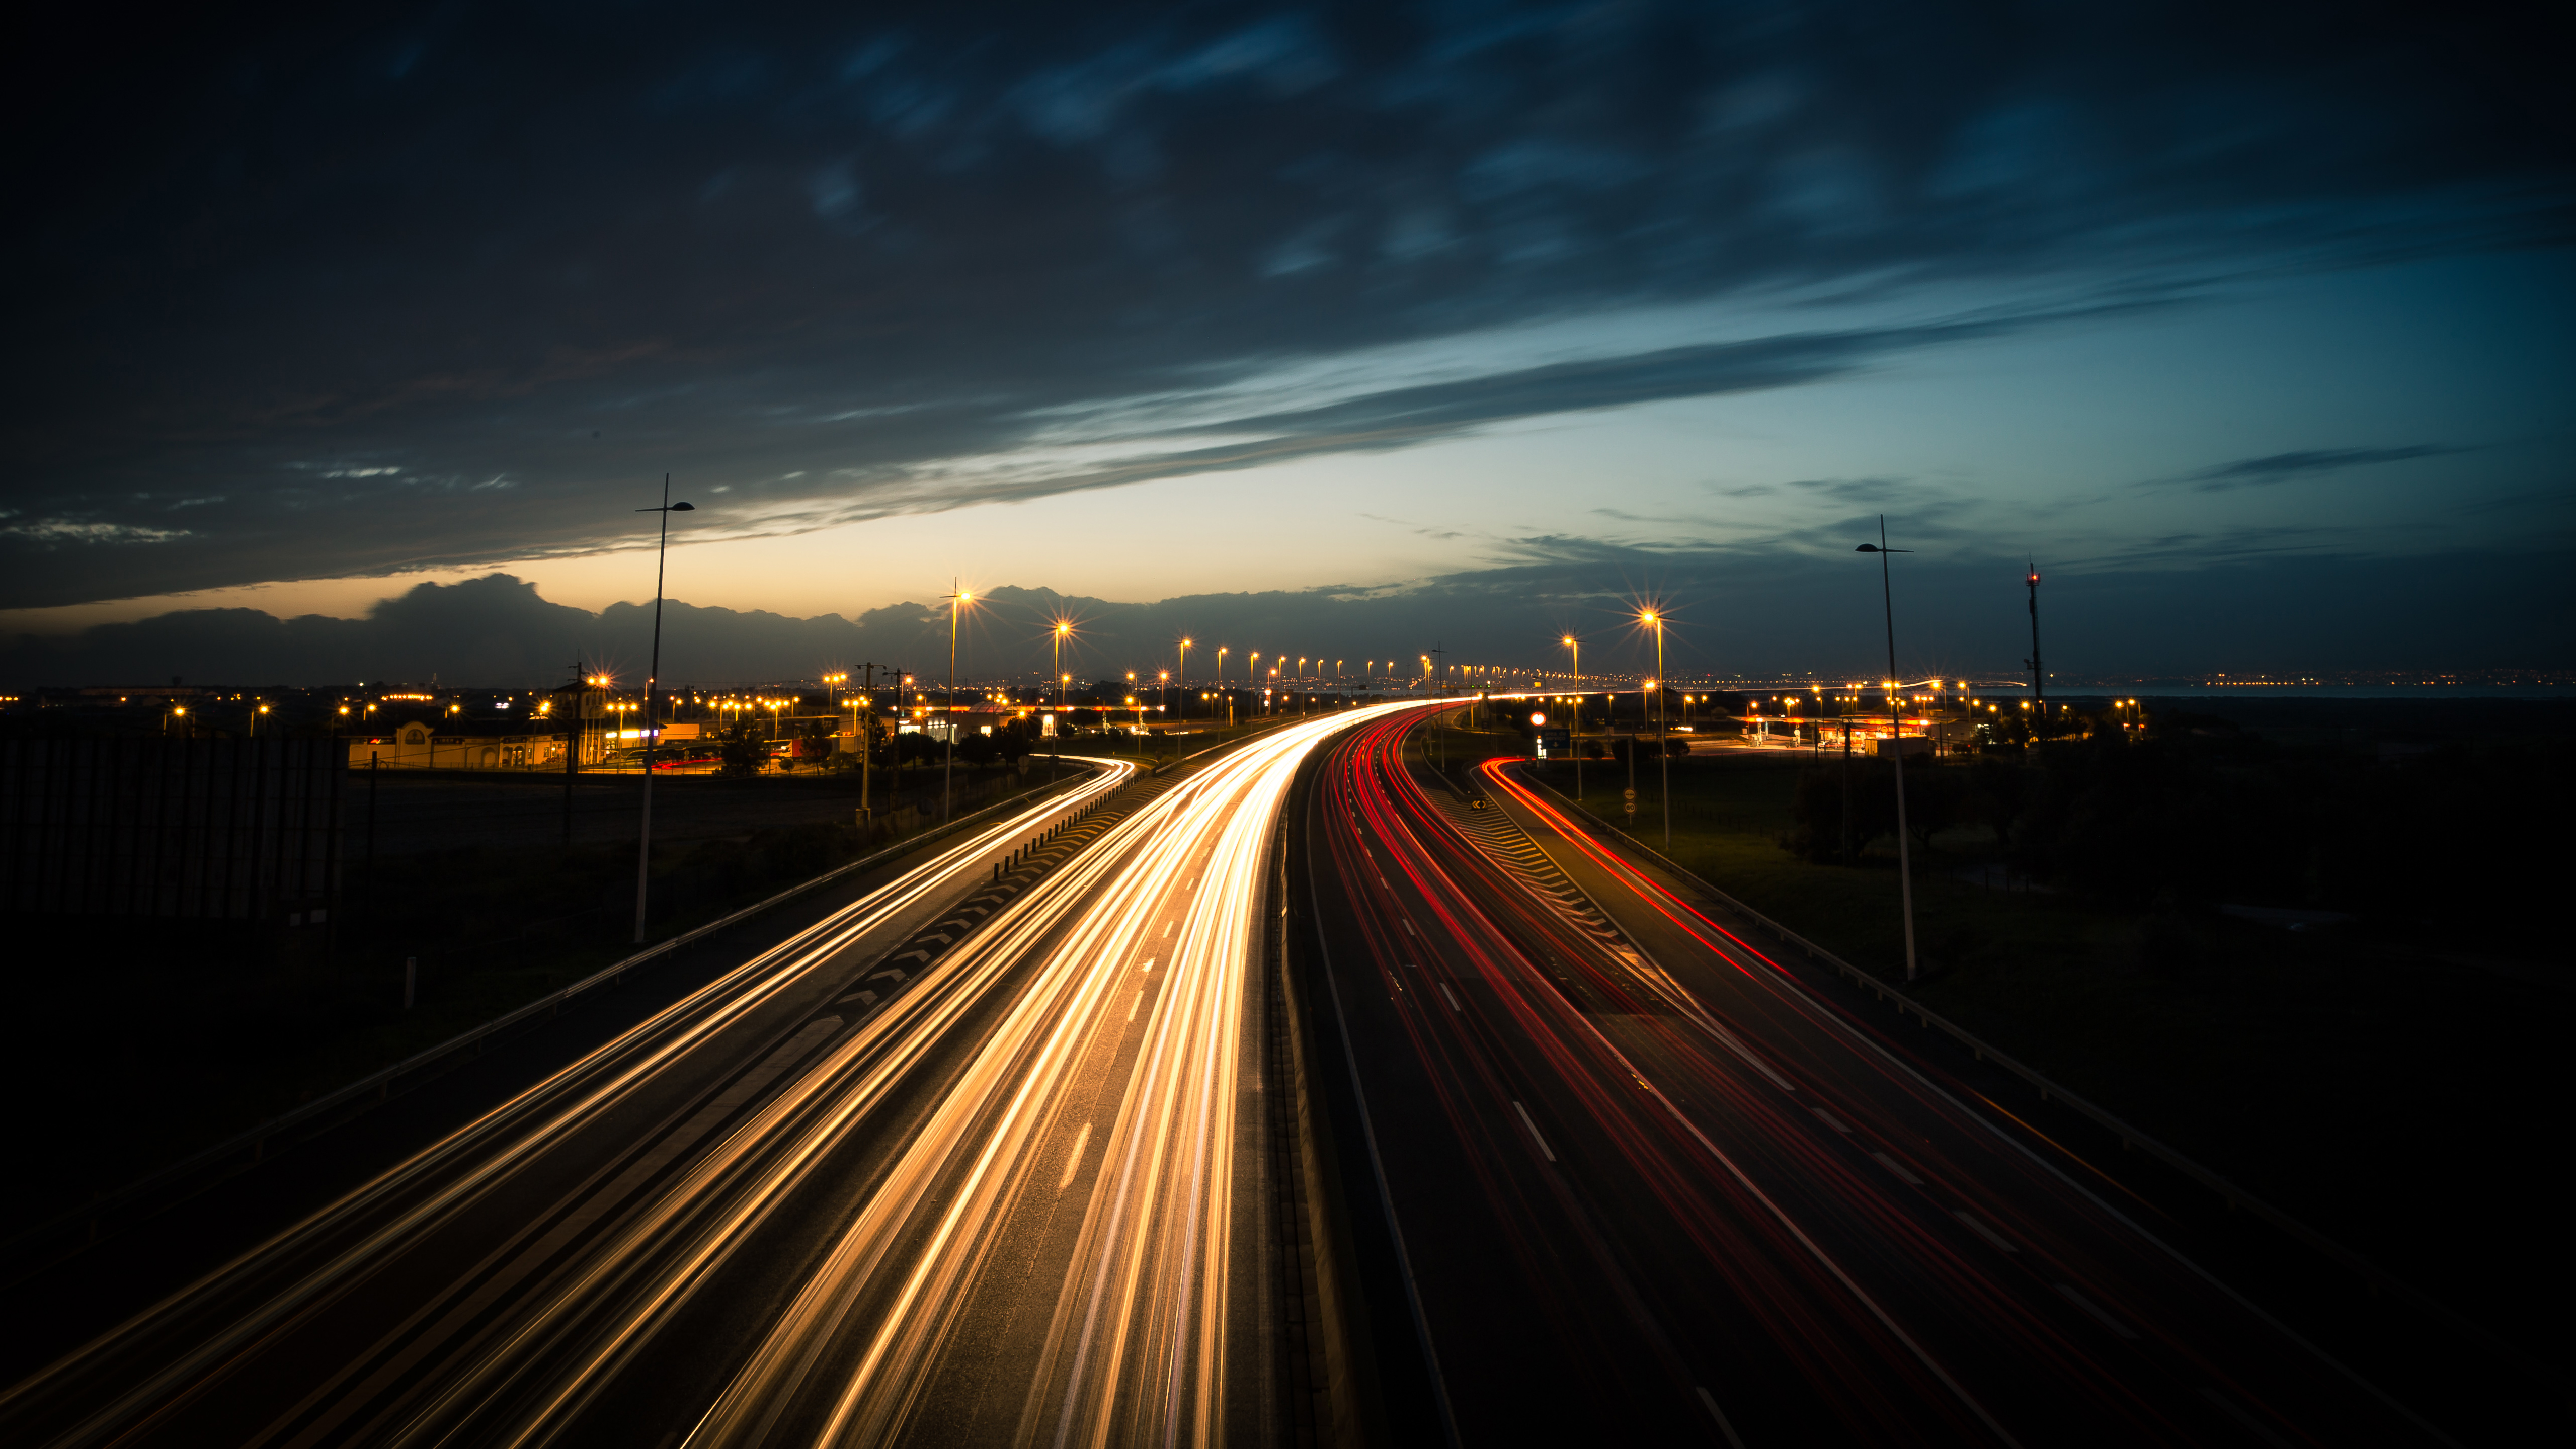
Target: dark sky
1419	307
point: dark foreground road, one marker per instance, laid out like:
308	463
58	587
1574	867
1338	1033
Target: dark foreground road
1650	1190
498	1282
1009	1185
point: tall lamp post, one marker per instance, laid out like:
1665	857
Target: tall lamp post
1896	724
652	681
1663	760
1185	674
1220	687
957	599
1570	642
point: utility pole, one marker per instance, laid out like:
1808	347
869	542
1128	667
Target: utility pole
572	753
867	736
2038	674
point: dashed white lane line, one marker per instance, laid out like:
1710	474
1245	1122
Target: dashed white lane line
1894	1166
1134	1006
1533	1130
1452	995
1978	1227
1149	963
2237	1412
1719	1415
1829	1119
2099	1314
1073	1159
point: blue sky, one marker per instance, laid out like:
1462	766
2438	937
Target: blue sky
1382	302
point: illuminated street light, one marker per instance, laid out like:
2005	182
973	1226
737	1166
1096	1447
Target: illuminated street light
1663	760
652	681
1573	741
958	599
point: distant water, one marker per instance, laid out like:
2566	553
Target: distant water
2319	691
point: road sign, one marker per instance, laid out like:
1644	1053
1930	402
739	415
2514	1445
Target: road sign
1628	795
1556	742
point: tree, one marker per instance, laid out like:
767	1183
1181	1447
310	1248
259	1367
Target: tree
1936	798
741	754
1998	792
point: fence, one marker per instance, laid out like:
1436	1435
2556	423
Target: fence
201	829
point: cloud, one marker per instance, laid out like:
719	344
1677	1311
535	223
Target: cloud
2283	467
2278	599
49	532
843	265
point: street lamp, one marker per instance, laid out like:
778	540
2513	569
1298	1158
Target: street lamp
957	599
1063	629
1663	761
1185	672
1575	738
652	680
1896	723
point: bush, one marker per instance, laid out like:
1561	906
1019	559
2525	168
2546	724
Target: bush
1816	809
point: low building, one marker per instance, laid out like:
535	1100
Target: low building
455	744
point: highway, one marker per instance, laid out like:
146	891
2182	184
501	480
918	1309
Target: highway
1004	1191
1646	1188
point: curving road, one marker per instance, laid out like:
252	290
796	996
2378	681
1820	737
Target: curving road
1648	1189
1006	1186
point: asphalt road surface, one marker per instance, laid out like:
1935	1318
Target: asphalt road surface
1007	1190
1650	1190
637	1182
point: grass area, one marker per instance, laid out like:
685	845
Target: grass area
147	1040
2362	1081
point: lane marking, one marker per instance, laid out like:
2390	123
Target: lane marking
1894	1166
2100	1315
1719	1415
1073	1159
1136	1005
1453	998
1736	1170
1829	1119
1167	930
1533	1127
1149	963
2237	1412
1408	929
1987	1233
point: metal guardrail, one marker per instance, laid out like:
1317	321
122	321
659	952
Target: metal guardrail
209	1162
2379	1280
